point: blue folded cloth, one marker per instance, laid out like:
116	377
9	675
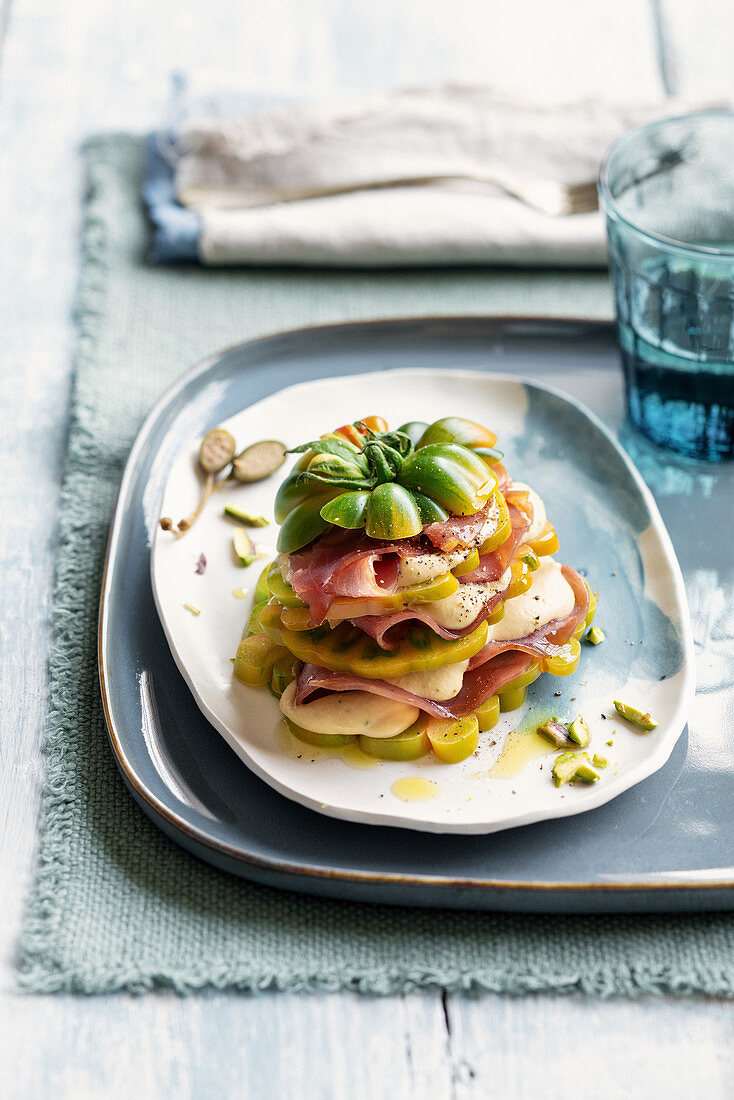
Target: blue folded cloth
176	229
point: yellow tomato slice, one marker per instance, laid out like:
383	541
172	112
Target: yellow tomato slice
453	739
544	543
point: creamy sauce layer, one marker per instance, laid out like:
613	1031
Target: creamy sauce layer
349	712
549	597
462	607
434	683
424	567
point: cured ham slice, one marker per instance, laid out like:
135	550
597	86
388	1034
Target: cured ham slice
343	564
476	689
547	640
352	565
384	628
503	478
489	670
457	530
492	566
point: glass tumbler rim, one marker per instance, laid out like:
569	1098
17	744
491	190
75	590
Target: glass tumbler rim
608	202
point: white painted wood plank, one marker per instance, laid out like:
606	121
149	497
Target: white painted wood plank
303	1047
350	1048
556	1048
68	69
36	280
698	41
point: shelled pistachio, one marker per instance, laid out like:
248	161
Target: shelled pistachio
642	719
573	767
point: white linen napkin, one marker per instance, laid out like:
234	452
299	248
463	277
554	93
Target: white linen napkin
447	175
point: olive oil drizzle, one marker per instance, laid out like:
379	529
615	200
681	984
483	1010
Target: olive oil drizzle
520	748
414	788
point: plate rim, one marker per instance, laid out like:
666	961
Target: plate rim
151	802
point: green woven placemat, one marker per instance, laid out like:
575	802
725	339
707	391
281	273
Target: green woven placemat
116	905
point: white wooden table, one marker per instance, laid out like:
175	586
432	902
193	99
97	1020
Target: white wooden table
67	70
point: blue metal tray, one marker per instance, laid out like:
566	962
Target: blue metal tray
665	844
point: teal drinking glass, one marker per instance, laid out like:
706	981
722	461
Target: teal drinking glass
668	193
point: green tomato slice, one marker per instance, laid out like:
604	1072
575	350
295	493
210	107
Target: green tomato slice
253	623
565	661
320	740
347	510
262	592
280	588
303	524
430	511
414	429
409	745
270	621
504	525
450	475
255	658
285	670
349	650
291	492
392	513
511	700
513	694
454	429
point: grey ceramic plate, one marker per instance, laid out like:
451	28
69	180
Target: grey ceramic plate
644	849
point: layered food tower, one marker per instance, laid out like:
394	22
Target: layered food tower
415	595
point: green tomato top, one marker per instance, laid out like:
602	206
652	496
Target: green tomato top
392	485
